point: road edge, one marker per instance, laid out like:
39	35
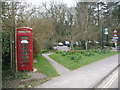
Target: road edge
94	85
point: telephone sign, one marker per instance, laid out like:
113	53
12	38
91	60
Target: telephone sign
24	49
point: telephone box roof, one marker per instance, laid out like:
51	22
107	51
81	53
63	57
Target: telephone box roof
25	28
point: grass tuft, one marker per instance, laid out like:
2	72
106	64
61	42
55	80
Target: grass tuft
44	66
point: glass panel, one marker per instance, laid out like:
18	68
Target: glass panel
24	56
24	48
25	64
24	37
24	45
25	52
25	60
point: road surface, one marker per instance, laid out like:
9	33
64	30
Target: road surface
84	77
110	81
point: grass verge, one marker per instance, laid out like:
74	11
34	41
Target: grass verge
44	66
9	76
84	60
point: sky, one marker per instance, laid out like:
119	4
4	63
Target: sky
68	2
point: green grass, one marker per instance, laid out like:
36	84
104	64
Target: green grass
44	66
84	60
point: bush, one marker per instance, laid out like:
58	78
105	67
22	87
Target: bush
104	51
87	54
77	48
36	47
82	51
44	51
57	52
63	53
73	57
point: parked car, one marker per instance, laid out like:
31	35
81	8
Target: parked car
118	47
66	43
60	44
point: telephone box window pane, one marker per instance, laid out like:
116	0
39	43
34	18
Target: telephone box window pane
23	31
25	64
24	45
24	56
25	37
25	60
25	52
24	48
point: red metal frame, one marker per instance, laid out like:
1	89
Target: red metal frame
20	50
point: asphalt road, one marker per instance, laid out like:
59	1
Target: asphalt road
114	84
111	81
64	48
116	81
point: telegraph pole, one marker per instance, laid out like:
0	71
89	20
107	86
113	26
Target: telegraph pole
13	37
102	38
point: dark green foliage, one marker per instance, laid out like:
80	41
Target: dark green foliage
87	54
45	51
5	50
63	54
76	58
73	57
57	52
5	43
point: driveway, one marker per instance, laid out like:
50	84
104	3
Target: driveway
64	48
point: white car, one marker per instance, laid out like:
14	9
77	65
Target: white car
60	44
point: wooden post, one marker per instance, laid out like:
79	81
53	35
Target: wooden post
13	36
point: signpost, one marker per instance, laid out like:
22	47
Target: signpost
106	36
106	31
115	37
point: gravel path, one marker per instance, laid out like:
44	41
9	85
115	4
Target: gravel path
59	68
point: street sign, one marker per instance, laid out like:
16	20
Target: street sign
115	31
106	31
115	37
114	40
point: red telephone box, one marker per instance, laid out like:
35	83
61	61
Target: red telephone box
24	49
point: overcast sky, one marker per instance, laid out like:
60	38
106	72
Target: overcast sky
68	2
